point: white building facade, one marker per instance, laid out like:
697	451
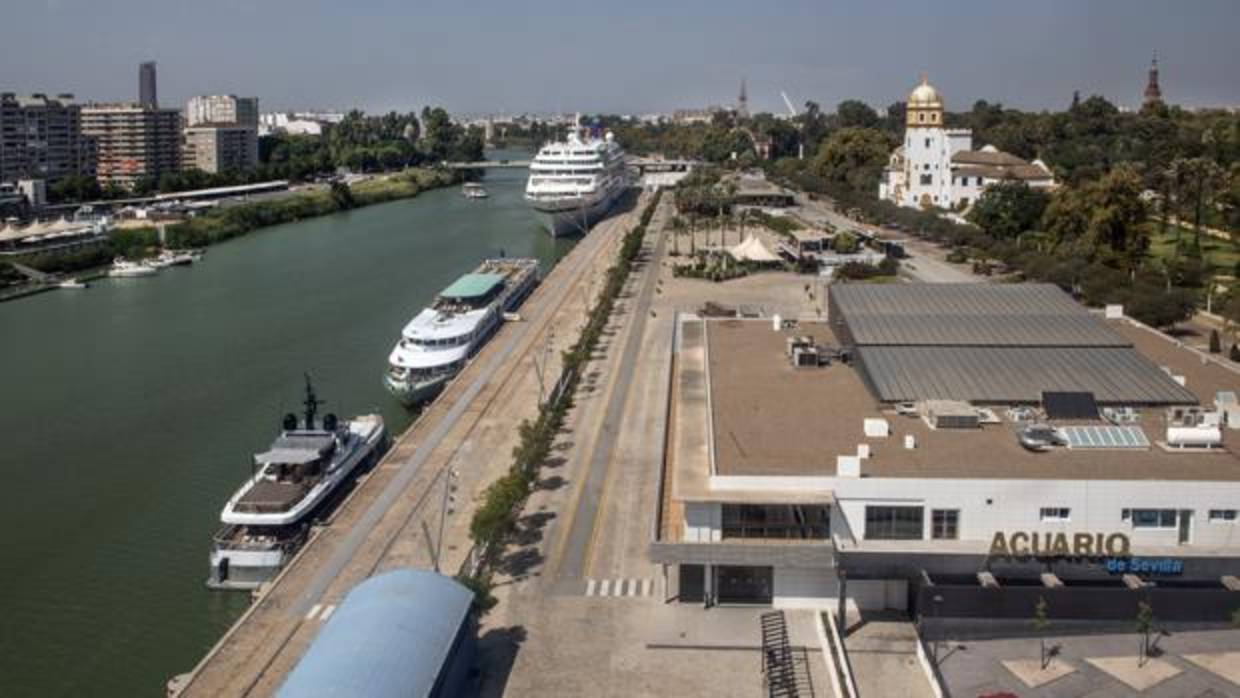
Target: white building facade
796	484
936	167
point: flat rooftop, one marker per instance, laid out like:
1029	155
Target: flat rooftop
768	418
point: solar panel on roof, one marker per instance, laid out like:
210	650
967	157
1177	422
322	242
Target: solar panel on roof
1104	437
1069	405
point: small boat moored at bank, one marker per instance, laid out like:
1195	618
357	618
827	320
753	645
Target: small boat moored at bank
123	268
473	190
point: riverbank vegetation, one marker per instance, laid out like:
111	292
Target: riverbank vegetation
495	519
359	143
226	223
131	243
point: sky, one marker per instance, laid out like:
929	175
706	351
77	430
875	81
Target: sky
633	56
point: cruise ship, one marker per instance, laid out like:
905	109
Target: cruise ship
437	342
307	467
575	182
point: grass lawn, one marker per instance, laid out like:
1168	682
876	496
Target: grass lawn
1221	254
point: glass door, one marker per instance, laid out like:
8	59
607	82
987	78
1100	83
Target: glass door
1186	526
744	585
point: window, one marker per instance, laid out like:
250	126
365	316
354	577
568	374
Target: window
945	524
894	523
776	521
927	142
927	180
1151	518
921	117
1055	514
1222	515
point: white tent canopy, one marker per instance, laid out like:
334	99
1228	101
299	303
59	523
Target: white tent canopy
752	250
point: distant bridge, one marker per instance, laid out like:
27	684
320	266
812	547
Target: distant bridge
642	164
486	164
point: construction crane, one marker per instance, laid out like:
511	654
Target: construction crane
792	111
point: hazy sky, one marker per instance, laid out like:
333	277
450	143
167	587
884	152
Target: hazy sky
620	56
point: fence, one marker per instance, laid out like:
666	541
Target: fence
1078	603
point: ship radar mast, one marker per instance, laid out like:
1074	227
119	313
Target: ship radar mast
312	403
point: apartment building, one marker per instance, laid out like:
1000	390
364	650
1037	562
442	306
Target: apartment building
220	148
132	141
222	109
41	138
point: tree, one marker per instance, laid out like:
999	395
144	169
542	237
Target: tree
1160	307
1144	625
1040	623
1119	215
814	126
852	113
342	195
1008	209
1198	181
845	243
1066	217
853	157
75	188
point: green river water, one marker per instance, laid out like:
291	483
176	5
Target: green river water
129	410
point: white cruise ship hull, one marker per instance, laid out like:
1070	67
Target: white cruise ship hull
575	216
413	393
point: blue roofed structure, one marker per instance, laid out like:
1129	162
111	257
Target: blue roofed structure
405	633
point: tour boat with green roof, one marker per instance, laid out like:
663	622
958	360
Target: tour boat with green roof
438	341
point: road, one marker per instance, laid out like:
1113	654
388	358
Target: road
573	560
460	443
922	263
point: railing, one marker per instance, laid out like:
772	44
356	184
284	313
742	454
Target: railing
844	674
929	668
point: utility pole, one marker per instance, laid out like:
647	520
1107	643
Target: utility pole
449	487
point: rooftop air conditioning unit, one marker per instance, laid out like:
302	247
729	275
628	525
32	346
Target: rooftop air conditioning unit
1194	427
952	414
808	357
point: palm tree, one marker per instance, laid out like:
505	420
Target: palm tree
1197	180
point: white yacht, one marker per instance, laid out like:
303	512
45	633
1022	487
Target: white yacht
575	182
303	473
123	268
437	342
473	190
174	258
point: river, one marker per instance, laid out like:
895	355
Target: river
130	410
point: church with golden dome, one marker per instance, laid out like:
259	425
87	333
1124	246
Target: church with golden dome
937	166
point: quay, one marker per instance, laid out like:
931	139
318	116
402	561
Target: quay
424	484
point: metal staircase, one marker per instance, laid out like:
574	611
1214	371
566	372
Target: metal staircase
778	667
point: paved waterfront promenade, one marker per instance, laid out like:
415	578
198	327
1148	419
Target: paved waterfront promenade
467	435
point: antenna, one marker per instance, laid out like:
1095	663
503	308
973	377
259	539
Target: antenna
312	403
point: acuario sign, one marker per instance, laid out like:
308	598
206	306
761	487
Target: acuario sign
1023	544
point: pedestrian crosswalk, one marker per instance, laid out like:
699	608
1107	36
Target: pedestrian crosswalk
620	587
321	611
